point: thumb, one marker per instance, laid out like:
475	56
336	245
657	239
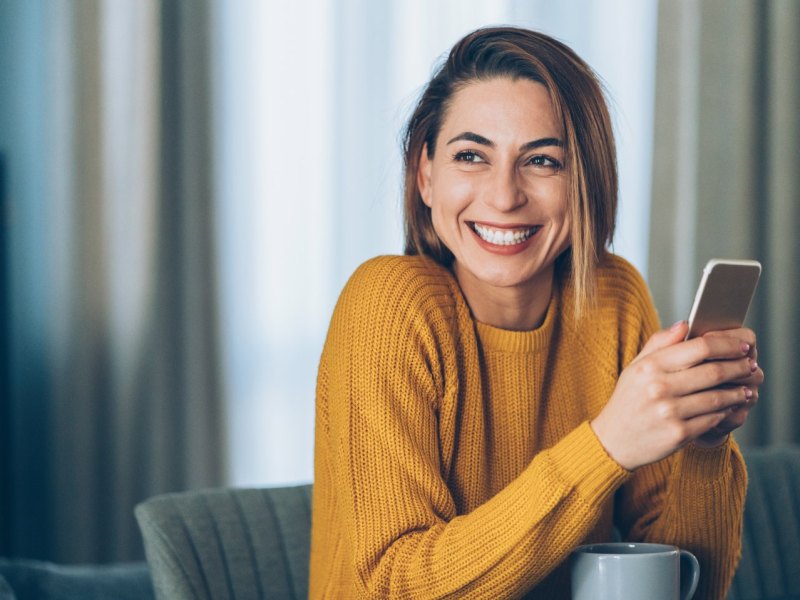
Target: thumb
666	337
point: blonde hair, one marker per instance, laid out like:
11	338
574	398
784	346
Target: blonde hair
579	103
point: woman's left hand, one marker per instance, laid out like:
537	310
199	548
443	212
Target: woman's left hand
737	415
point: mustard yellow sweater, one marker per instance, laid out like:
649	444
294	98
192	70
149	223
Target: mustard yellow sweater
455	460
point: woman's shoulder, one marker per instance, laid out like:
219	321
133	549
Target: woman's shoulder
397	268
624	300
412	275
399	284
620	282
622	316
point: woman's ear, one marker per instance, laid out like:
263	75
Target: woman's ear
424	176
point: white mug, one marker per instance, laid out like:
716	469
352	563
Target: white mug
623	571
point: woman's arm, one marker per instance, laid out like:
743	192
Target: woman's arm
693	498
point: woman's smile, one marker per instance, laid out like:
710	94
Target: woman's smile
503	239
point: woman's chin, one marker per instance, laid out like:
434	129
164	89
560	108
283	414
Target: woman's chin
503	278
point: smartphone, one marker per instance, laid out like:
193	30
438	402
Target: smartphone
724	295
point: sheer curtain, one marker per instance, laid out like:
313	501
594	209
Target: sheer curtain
311	99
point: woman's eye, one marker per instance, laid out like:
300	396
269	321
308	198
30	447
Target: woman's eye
544	161
468	156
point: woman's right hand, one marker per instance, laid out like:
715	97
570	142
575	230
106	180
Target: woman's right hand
672	393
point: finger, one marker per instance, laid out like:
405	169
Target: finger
745	334
742	333
716	424
664	338
707	423
753	400
712	401
735	418
755	379
699	350
708	375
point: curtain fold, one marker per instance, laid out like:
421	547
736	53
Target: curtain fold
725	179
132	396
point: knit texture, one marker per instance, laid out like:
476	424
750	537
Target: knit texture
455	460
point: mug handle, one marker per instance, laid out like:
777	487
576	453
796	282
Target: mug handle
690	574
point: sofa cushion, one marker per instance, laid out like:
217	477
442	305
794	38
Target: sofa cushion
31	579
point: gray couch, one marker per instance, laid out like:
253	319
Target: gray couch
254	544
37	580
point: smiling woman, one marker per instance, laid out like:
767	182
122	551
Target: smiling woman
500	394
307	149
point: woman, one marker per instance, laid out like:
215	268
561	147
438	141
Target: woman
501	394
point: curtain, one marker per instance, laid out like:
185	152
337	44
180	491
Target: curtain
115	385
725	177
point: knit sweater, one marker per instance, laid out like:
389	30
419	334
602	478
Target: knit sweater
454	459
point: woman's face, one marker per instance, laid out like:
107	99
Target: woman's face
496	187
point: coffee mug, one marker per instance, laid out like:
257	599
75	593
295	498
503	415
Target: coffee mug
622	571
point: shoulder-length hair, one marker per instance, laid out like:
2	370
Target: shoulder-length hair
579	104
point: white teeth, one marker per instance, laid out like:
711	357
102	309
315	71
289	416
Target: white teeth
503	237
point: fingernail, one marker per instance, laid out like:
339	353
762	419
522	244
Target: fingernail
745	348
675	326
753	365
748	393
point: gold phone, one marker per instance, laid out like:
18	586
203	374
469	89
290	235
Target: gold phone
724	295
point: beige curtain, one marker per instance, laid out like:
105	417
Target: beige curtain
726	181
127	342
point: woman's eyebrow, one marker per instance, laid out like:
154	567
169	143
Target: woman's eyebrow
540	143
472	137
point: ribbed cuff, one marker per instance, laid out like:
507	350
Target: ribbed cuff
706	464
582	461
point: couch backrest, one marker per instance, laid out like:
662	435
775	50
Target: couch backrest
229	543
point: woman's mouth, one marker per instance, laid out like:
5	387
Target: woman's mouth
506	236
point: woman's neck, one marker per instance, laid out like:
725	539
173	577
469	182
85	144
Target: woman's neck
517	308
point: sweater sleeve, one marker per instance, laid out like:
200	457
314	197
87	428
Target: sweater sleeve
407	539
693	499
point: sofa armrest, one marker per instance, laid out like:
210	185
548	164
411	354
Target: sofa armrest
49	581
770	565
6	593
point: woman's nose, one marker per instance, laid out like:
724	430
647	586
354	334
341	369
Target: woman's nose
505	193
